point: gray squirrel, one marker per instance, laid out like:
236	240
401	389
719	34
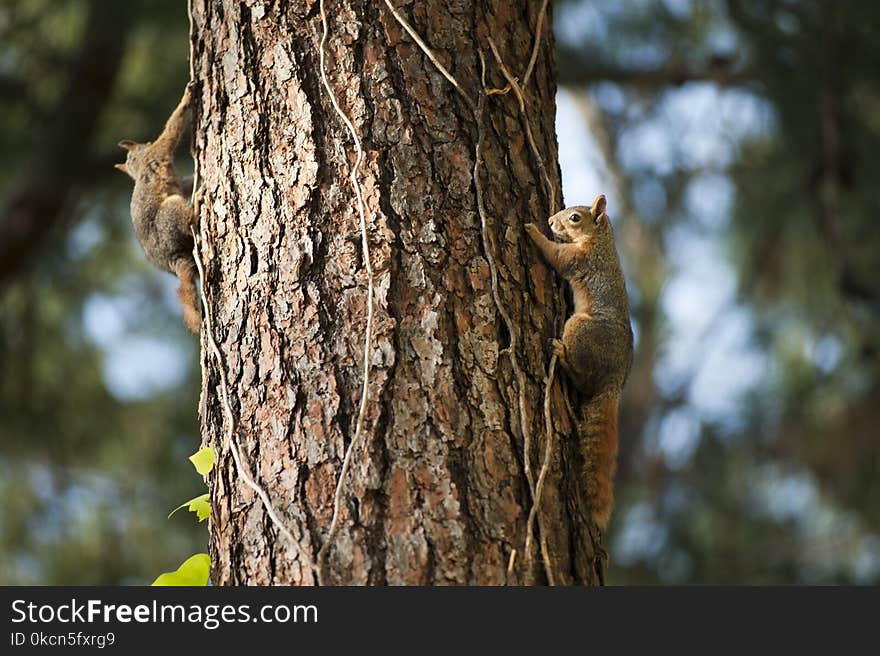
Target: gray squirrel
160	211
596	349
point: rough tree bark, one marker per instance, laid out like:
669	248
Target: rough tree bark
437	492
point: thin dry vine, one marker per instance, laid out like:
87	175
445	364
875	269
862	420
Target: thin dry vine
368	330
512	329
243	469
512	84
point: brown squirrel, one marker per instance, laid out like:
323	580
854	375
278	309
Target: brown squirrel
159	210
596	349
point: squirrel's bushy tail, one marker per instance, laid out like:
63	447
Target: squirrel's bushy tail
598	432
188	293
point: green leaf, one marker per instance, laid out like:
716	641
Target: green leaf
203	460
193	572
199	506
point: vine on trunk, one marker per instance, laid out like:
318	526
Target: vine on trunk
512	329
240	465
368	330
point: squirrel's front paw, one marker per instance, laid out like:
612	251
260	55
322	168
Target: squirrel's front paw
532	229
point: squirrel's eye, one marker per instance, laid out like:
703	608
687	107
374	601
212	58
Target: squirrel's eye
574	218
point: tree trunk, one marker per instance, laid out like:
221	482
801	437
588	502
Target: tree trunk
437	492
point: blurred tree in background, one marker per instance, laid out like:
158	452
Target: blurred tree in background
738	145
741	140
99	387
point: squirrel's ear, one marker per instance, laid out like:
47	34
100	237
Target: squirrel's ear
128	144
598	208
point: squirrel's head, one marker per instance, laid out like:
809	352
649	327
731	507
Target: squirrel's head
574	224
136	161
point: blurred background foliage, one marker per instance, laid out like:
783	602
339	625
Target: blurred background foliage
738	145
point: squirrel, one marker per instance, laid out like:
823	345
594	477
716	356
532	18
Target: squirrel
159	210
596	349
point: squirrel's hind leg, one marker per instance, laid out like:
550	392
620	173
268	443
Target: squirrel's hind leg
569	349
177	211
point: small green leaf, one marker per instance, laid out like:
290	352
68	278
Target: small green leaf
193	572
199	506
203	460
